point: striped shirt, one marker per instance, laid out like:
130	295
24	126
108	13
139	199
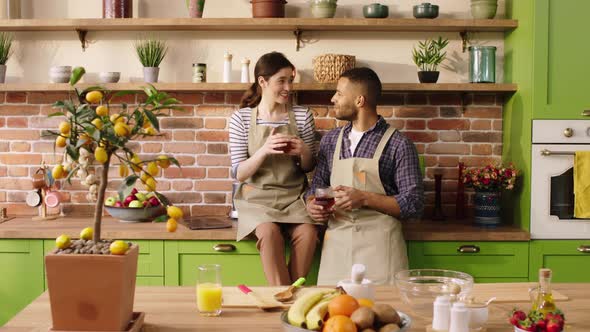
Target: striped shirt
399	168
239	126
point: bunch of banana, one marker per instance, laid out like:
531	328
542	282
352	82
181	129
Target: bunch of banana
309	310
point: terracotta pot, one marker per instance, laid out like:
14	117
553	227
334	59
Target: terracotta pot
91	292
268	8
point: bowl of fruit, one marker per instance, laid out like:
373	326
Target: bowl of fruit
136	207
552	321
331	311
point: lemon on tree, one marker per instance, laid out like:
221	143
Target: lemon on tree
163	161
150	184
86	233
58	172
136	163
94	97
60	141
97	123
100	154
63	241
122	129
115	118
102	110
65	127
119	247
152	168
123	170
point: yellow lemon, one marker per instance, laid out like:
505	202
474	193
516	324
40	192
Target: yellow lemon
171	225
86	233
121	129
65	127
152	168
136	163
63	241
97	123
58	172
100	154
60	141
94	97
115	118
123	171
102	110
144	177
151	131
365	302
174	212
146	122
163	161
150	184
119	247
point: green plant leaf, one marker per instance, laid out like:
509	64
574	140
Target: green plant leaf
72	152
56	114
152	119
77	74
162	199
126	186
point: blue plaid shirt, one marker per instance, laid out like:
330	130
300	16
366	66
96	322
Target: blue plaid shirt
399	168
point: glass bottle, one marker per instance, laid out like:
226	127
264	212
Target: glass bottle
117	9
544	299
245	77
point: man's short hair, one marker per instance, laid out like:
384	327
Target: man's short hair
368	79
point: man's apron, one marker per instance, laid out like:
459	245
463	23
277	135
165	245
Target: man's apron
361	236
275	192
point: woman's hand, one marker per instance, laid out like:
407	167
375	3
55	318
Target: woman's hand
274	143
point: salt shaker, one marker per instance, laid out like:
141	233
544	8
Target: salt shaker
227	67
459	318
245	71
441	313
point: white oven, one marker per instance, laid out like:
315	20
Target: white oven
552	185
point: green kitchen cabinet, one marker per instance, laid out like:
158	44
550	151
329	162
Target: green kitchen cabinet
560	60
568	259
485	261
150	264
21	263
240	262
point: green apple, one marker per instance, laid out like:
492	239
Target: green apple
110	201
141	197
135	204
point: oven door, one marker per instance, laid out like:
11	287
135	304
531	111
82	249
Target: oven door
552	194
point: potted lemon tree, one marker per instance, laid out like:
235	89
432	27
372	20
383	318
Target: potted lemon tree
91	281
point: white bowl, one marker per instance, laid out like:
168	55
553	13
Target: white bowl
59	77
60	70
109	76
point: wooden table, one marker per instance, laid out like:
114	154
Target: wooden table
174	309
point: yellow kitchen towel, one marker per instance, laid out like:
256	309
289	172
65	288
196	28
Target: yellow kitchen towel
582	184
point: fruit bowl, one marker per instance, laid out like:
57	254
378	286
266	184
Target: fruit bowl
419	288
406	322
139	214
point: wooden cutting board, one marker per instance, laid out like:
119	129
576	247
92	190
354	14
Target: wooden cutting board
234	298
512	292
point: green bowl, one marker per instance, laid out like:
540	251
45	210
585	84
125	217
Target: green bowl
375	10
323	11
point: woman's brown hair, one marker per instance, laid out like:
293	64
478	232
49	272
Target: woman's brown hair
268	65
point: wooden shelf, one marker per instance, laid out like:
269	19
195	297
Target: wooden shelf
239	87
258	24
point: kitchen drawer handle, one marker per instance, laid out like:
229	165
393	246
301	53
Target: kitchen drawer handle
586	113
584	249
469	249
224	247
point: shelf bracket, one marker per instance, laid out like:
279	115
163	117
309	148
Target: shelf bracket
82	37
464	40
297	34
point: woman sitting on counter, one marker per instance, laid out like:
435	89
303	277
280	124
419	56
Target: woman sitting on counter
272	146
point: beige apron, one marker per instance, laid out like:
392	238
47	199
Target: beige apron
275	192
361	236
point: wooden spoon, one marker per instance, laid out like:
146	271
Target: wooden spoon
287	294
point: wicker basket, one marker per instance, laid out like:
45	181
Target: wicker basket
328	67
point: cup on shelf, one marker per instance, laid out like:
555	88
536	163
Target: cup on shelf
109	76
60	74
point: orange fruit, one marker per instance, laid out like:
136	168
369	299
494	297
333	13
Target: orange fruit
342	305
171	225
339	323
365	302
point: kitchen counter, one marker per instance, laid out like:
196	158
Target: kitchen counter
26	228
174	309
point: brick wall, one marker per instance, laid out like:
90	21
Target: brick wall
447	128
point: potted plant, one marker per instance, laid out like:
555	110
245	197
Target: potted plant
5	53
488	183
151	52
91	281
428	56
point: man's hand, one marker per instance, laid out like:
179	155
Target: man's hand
348	198
317	212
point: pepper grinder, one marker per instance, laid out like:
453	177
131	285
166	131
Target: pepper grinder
227	67
438	213
245	71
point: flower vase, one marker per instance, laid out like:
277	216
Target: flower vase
487	208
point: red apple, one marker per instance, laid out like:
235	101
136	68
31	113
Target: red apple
128	200
118	204
133	191
153	201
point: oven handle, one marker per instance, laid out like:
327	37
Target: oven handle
584	249
546	152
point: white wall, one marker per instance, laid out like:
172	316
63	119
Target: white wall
387	53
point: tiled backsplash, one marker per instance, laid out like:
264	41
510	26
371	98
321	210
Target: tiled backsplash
447	128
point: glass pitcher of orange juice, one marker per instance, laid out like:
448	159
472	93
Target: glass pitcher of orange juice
209	289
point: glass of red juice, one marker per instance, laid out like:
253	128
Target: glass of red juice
324	197
287	148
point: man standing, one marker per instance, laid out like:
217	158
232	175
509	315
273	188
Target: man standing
375	174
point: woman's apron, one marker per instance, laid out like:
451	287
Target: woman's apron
363	235
275	192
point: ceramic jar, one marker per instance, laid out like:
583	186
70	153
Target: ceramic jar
268	8
482	64
117	8
484	9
